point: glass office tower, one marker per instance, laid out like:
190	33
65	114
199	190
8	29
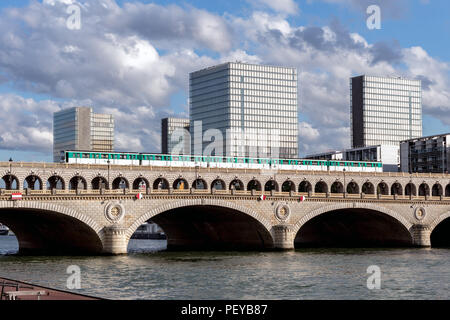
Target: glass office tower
254	107
81	129
384	111
175	138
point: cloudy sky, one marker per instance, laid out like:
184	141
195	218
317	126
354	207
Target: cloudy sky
132	59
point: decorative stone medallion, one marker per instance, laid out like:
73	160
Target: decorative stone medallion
114	212
282	212
420	213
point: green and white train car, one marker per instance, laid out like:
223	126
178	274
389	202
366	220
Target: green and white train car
186	161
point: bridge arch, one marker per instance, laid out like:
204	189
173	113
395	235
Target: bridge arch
167	216
356	209
288	186
305	186
368	188
424	190
437	190
218	184
236	184
77	182
120	183
33	182
140	183
383	188
352	188
71	231
254	185
56	182
440	231
396	189
200	184
180	184
271	185
337	187
447	190
321	187
98	182
10	181
410	189
160	183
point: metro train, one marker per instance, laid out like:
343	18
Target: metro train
165	160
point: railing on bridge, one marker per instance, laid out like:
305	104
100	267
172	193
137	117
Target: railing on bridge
52	165
6	194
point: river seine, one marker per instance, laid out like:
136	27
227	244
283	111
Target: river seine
149	272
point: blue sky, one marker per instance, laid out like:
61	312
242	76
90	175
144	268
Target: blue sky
132	59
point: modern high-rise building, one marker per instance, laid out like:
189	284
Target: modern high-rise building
80	128
253	107
384	111
426	154
175	136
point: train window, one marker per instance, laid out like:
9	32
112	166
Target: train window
104	156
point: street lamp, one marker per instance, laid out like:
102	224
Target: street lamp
345	185
10	173
108	162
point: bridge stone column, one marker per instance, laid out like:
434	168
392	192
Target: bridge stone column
283	237
421	235
114	240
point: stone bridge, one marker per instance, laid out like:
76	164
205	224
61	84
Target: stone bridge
93	209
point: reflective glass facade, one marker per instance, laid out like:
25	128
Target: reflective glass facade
385	110
170	142
255	107
81	129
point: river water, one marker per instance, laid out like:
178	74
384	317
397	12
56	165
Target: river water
149	272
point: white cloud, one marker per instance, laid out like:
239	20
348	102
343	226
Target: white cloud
284	6
130	60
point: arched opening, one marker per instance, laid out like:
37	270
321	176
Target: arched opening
436	191
77	182
33	182
160	184
55	182
218	184
368	188
236	184
140	184
180	184
254	185
321	187
99	183
120	183
200	184
149	237
440	236
410	189
396	189
212	228
353	228
288	186
10	182
304	186
41	232
424	190
383	189
337	187
271	185
352	188
8	242
447	190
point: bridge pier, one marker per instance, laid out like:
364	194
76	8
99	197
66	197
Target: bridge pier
421	235
114	240
283	237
